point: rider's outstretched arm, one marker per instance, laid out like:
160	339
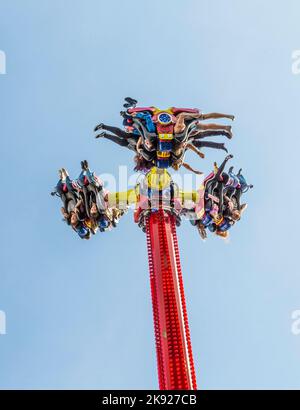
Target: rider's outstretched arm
196	150
187	166
222	167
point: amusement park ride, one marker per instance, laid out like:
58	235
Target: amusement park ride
160	139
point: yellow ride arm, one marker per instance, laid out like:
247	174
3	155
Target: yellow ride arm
189	196
122	199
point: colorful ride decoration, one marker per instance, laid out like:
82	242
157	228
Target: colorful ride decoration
159	206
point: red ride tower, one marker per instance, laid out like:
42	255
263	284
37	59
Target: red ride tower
175	362
172	335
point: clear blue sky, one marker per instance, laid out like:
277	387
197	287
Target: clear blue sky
79	312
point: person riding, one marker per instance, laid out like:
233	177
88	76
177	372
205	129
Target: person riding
94	198
73	208
186	119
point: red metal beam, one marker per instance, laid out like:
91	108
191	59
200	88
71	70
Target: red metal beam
172	336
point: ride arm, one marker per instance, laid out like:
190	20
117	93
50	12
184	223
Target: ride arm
139	109
121	200
188	196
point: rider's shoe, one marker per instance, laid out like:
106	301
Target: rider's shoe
84	165
101	135
224	148
99	127
130	100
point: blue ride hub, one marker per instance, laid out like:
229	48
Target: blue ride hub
164	118
165	143
163	163
164	146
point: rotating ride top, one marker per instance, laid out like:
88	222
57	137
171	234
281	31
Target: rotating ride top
160	140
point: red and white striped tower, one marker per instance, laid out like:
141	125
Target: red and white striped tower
172	335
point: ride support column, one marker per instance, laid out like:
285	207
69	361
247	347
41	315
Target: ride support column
175	362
